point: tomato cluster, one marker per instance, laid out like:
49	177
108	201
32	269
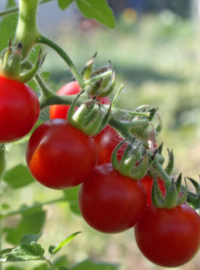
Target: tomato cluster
61	156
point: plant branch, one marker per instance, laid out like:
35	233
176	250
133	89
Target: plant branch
43	40
20	211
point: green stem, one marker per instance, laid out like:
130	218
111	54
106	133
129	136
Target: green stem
27	31
49	263
16	9
43	40
12	213
158	168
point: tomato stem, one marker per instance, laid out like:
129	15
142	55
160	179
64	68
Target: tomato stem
20	211
158	168
27	31
43	40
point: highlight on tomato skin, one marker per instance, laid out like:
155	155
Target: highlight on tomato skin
19	110
71	88
110	202
168	237
60	156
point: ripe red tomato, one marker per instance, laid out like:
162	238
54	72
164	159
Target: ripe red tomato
19	110
71	88
147	182
111	202
60	156
168	237
106	141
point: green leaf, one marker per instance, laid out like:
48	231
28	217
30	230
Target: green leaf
7	26
18	177
62	260
33	251
31	223
97	10
88	264
29	238
54	249
63	4
62	268
5	251
5	206
13	268
72	197
42	266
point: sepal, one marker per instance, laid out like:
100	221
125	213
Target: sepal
194	199
87	69
173	197
88	117
103	86
134	163
170	164
11	64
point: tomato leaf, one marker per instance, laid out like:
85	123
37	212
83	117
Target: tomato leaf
64	4
33	251
31	222
29	238
88	264
8	26
97	10
62	268
5	251
54	249
18	177
11	267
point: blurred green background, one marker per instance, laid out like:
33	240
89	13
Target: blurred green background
157	58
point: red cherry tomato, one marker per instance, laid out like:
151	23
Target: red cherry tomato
71	88
19	110
168	237
111	202
60	156
106	141
147	182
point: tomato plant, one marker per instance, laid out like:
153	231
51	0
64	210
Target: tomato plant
168	237
19	110
60	156
71	88
111	202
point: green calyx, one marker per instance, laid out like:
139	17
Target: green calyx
11	63
194	199
134	162
173	197
88	117
104	86
87	69
146	136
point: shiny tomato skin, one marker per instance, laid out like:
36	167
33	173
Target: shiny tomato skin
19	110
111	202
147	182
60	156
106	141
168	237
71	88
